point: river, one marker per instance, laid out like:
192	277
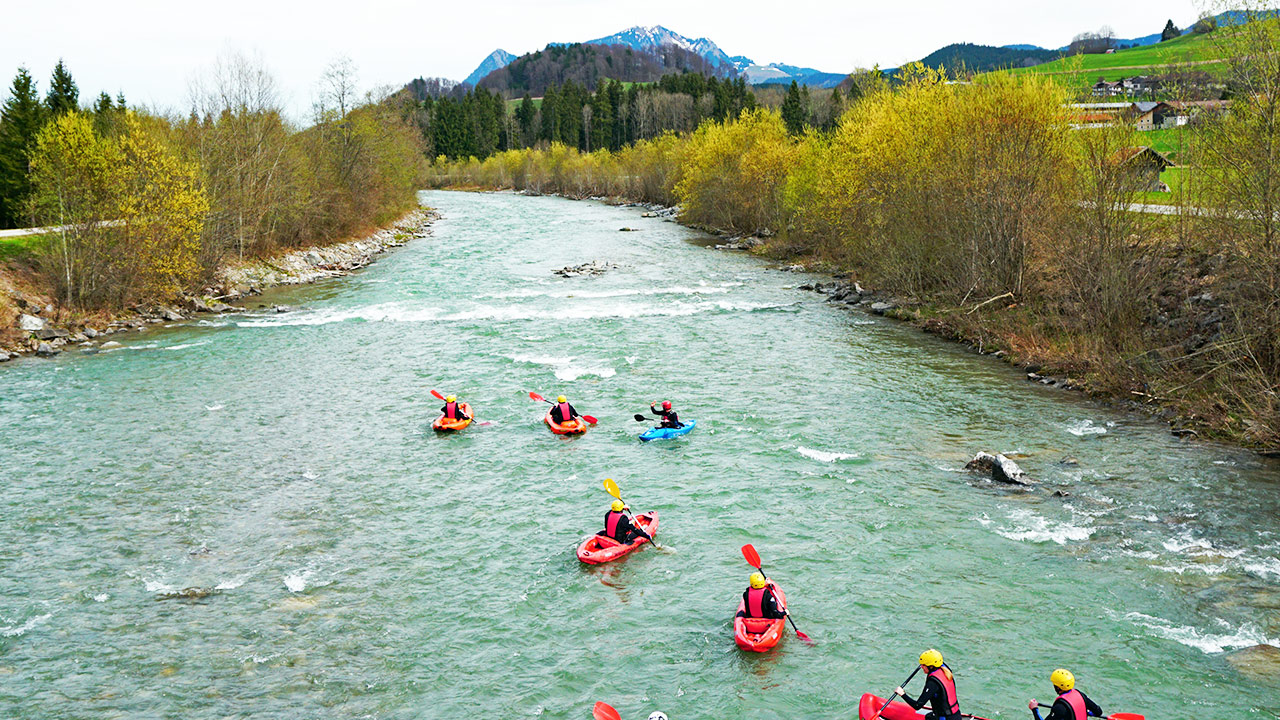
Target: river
364	568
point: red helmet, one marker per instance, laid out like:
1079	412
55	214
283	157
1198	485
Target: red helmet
666	404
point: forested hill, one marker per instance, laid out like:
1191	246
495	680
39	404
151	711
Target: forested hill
984	58
587	65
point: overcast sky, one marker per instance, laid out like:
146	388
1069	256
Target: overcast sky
150	49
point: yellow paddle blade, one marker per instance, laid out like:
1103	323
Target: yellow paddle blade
612	488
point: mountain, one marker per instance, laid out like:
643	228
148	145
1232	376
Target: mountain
655	36
1023	47
781	73
497	59
983	58
585	65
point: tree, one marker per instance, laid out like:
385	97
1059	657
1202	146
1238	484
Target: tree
793	111
1206	24
1170	32
21	118
63	95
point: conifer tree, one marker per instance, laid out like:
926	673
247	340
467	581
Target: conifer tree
793	111
1170	31
21	118
63	96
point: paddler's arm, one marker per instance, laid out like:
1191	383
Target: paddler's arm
1090	706
926	695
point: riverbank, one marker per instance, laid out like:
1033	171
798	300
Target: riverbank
34	324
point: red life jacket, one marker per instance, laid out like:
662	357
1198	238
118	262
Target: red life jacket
1076	701
451	410
949	685
565	413
755	602
611	524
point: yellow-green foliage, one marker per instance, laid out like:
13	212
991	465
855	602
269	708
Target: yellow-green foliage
734	173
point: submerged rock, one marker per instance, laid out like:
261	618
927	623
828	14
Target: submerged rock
1260	662
1002	469
191	593
595	267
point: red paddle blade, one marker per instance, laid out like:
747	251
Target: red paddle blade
437	394
804	637
1126	716
536	396
753	557
604	712
590	419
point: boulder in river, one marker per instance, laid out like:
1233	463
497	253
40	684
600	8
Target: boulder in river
4	356
191	593
881	308
595	267
1002	469
1260	663
46	350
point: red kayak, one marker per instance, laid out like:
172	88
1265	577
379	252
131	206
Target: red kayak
576	426
760	634
600	549
897	709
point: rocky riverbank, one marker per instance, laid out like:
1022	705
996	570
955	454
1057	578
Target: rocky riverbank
38	327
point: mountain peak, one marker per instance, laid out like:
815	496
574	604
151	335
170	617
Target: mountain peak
497	59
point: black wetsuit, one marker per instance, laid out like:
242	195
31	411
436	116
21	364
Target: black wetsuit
556	414
459	415
669	418
768	606
624	531
935	696
1061	709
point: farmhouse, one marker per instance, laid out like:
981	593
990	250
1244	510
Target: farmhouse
1144	166
1153	115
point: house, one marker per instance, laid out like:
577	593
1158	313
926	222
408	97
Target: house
1144	166
1186	110
1102	88
1153	115
1140	85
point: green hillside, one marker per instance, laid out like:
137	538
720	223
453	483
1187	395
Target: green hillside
1188	50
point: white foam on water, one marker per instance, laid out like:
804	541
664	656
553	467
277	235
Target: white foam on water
297	582
824	456
602	294
231	584
24	628
1026	526
1147	518
1209	569
403	312
564	367
1267	568
184	346
1081	428
101	597
214	408
309	475
1246	635
155	586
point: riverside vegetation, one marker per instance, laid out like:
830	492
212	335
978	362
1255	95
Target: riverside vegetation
150	206
993	221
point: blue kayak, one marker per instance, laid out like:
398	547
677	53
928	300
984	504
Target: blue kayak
661	433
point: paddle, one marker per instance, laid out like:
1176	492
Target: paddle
639	417
1112	716
536	396
442	397
893	695
612	488
753	559
603	711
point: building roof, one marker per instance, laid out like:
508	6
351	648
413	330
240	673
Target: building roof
1142	152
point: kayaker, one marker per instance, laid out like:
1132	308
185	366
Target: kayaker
669	417
562	412
619	527
759	600
939	689
452	410
1071	704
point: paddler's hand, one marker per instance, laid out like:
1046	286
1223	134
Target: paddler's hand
1032	705
899	691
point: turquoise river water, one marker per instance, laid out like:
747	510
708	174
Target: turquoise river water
362	567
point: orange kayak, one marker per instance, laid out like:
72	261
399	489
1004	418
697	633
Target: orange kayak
600	549
759	634
576	426
443	424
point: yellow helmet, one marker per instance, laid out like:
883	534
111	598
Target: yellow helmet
562	399
617	506
1063	680
757	580
451	398
931	658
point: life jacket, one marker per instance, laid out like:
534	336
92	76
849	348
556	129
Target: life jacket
451	410
611	524
944	676
755	602
565	413
1076	702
